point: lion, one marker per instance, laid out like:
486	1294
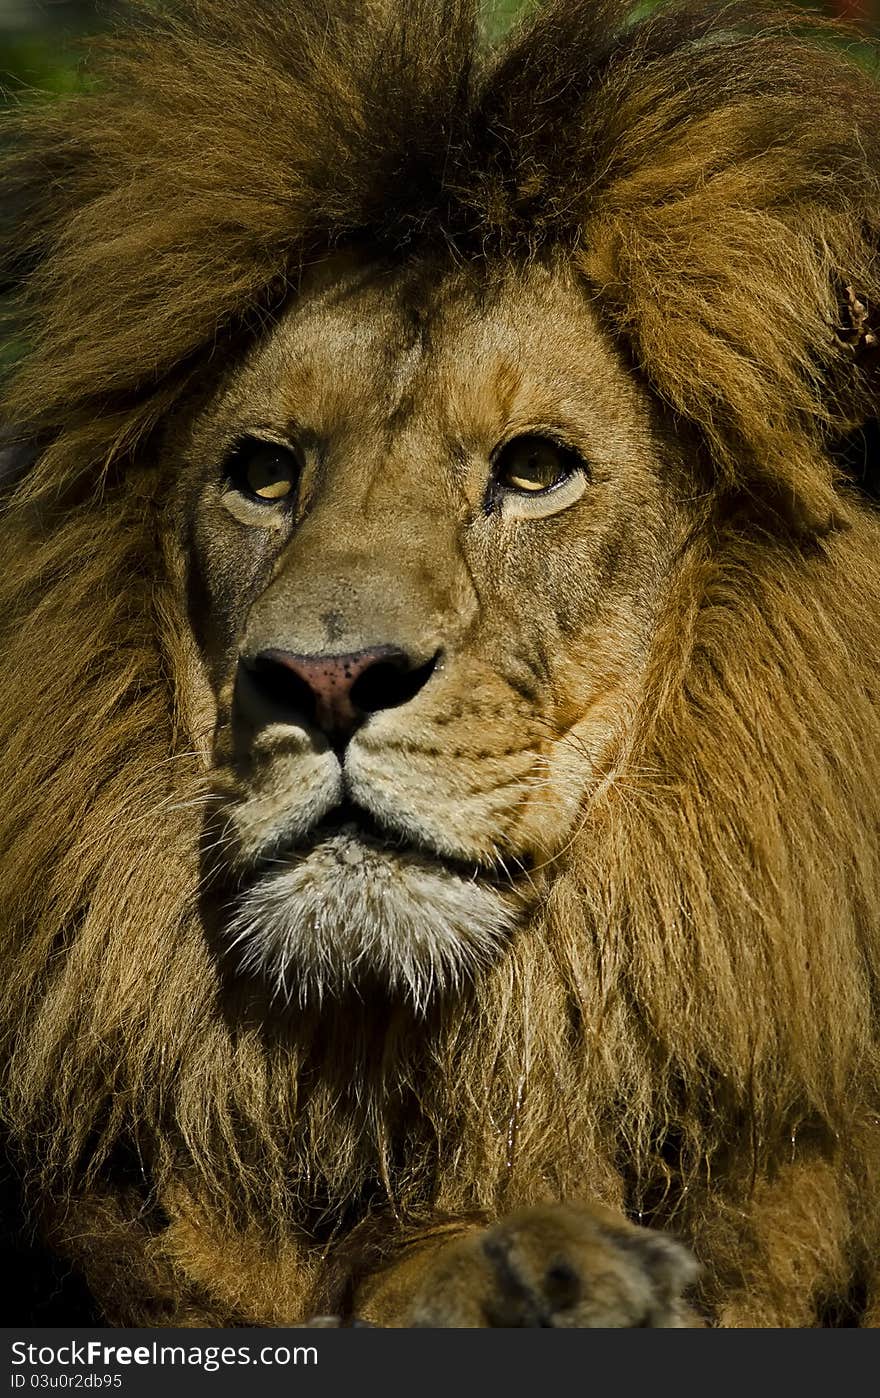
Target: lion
441	604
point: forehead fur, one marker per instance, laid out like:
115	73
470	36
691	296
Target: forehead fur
712	174
368	348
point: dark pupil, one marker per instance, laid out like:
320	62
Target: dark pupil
268	474
535	465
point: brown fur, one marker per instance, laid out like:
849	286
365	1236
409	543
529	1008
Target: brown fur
688	1027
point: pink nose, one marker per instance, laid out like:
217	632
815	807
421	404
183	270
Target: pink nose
332	692
331	680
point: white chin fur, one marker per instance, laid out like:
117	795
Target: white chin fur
349	907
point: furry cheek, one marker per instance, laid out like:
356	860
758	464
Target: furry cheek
293	794
461	820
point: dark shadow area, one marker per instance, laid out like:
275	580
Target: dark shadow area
41	1289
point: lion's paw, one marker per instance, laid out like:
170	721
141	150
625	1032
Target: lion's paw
558	1266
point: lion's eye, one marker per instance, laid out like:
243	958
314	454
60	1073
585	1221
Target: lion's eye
533	476
263	471
531	464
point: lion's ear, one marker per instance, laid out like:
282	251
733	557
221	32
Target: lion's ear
765	348
735	256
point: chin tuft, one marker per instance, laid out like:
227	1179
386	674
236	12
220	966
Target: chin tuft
348	912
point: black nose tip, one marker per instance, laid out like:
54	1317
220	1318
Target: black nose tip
335	693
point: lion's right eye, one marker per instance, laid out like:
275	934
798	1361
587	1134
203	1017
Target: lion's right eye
263	471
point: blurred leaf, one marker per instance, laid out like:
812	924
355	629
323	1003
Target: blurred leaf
499	15
42	62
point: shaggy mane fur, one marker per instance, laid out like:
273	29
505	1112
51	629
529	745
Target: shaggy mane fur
690	1028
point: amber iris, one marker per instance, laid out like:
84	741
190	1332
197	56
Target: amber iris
264	470
531	465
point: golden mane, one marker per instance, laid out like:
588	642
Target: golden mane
698	997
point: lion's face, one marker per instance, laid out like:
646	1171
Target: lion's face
427	529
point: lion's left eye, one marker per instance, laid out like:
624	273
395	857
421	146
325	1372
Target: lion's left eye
532	464
533	477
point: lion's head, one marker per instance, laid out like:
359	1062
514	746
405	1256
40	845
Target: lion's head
428	529
443	613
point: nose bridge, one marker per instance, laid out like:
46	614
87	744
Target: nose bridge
381	490
370	565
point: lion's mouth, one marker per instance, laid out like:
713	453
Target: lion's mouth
356	900
356	834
